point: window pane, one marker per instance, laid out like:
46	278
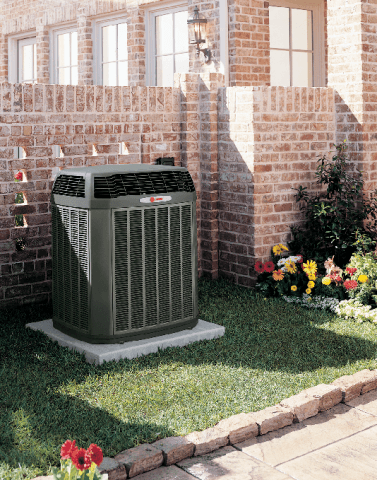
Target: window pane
35	61
109	74
164	34
74	75
63	50
74	48
27	63
279	27
181	32
165	73
301	29
302	69
109	43
123	74
64	76
280	74
122	41
182	63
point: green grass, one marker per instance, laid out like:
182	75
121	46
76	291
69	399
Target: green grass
271	350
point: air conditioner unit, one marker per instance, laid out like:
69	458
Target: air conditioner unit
124	252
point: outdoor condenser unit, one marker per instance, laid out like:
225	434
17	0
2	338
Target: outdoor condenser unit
124	252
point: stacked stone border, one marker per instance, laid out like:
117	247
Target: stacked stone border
238	428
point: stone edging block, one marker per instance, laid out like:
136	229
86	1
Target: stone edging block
208	440
357	384
140	459
238	428
175	449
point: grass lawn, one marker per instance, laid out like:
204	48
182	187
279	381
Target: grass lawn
271	350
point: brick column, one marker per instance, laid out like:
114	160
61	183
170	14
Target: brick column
249	43
199	143
3	58
352	73
43	53
85	49
136	47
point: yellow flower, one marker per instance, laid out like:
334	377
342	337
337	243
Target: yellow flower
294	288
277	275
362	278
277	249
326	280
311	284
290	266
308	291
312	277
310	267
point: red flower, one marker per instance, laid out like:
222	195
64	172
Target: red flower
81	459
350	284
259	267
95	454
338	278
68	448
269	266
351	271
301	259
18	176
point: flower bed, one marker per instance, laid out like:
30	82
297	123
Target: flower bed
350	293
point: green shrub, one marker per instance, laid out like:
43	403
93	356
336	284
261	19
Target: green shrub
366	264
333	216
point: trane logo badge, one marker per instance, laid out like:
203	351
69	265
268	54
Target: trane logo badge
165	198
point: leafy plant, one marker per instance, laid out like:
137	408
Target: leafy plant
366	292
334	215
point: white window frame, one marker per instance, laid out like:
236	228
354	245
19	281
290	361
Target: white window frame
150	29
98	24
319	73
13	53
54	77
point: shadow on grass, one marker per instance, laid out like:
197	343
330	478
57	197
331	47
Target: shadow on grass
262	336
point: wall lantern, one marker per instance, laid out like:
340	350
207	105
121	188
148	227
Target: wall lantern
195	33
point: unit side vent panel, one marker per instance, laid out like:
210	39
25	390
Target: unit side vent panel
148	183
69	185
70	260
153	270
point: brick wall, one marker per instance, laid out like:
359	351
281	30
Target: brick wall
82	120
269	140
352	73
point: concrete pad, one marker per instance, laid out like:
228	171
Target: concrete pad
366	403
299	439
106	352
230	464
352	458
165	473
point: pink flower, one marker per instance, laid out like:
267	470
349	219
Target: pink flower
18	176
350	284
351	271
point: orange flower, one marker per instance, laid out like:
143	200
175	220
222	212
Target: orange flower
278	275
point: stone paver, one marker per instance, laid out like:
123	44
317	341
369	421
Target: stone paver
165	473
174	449
350	459
230	464
300	438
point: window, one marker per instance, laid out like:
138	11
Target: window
167	45
27	60
295	44
65	57
22	56
112	52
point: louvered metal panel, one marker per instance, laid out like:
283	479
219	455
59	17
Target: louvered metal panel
69	186
142	183
153	265
70	257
